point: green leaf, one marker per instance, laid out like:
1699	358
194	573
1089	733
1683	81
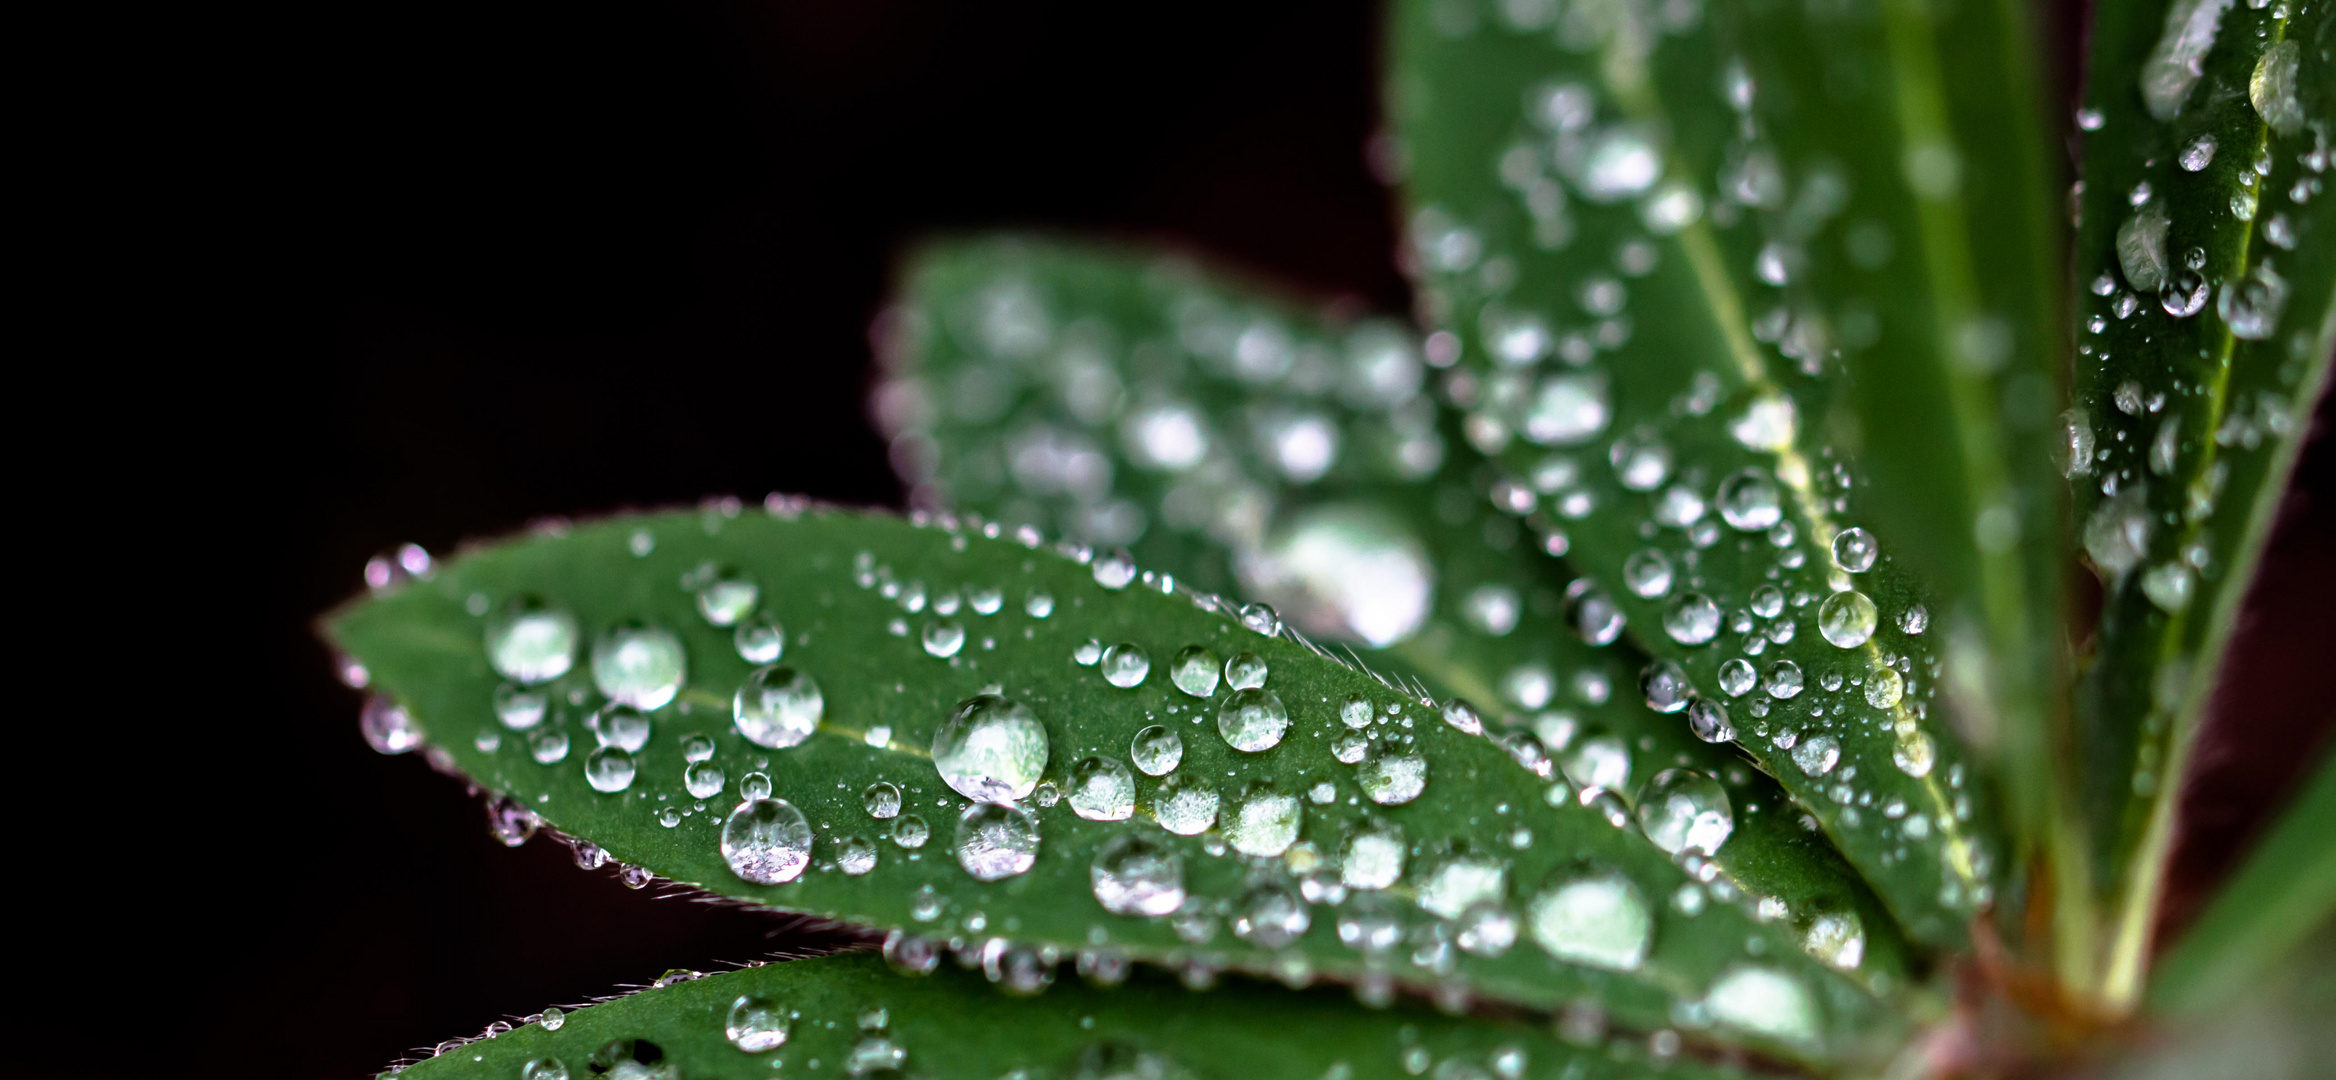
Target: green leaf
853	1017
2285	892
869	604
1321	481
2208	248
1603	205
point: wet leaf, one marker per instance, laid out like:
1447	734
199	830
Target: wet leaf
2208	251
853	1017
1319	478
1669	229
901	627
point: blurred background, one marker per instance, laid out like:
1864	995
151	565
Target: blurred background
533	259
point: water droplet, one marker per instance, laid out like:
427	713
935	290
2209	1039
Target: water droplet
1264	822
1156	750
1595	617
530	643
1768	424
1038	605
1343	570
1194	671
519	709
1115	570
1184	805
703	779
1885	687
2198	153
1708	720
1818	755
2251	305
1461	882
1461	715
766	841
943	637
1260	618
1737	677
1245	671
755	1025
1392	778
1647	572
1599	761
1854	550
609	770
1749	500
1126	664
1665	686
550	1068
1599	920
754	785
881	800
1914	754
1088	653
1566	410
2272	87
510	823
910	832
1692	619
1847	619
548	747
726	596
640	666
1684	810
1374	856
1784	680
1102	790
1641	461
2141	248
1349	748
1355	712
996	841
1838	939
620	726
1252	720
1271	915
389	729
991	749
777	707
1620	162
1133	875
1760	1001
855	855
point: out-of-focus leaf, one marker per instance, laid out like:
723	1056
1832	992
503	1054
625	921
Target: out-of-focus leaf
1414	865
1663	242
2208	250
848	1016
2285	892
1318	478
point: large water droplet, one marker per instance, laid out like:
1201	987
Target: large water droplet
1185	805
1194	671
620	726
1885	688
991	749
726	596
1854	550
1345	571
766	841
1252	720
1126	664
1647	572
943	638
881	800
1847	619
1762	1001
1264	822
1749	500
1115	570
1817	756
1665	686
777	707
1374	856
755	1025
1390	777
996	841
1914	754
1271	915
1600	920
530	643
1692	619
1737	677
609	770
2272	88
1708	720
389	729
637	665
1595	617
703	779
1102	790
1245	671
1685	810
1784	680
1134	875
1838	939
1156	750
1461	882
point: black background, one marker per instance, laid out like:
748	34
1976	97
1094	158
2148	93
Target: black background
527	259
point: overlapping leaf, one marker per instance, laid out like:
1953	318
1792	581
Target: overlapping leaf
1231	436
1312	868
1655	235
847	1015
2208	250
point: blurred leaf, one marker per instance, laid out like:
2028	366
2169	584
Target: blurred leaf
1323	483
2284	893
2208	250
1655	237
847	1015
899	624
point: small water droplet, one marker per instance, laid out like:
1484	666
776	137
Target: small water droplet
1708	720
1817	756
1088	653
754	785
388	728
910	831
1038	605
1854	550
1684	810
1390	777
1271	915
1374	856
1185	805
1885	687
529	643
1837	938
855	855
609	770
725	596
1252	720
1847	619
1355	712
637	665
1245	671
546	1068
1749	500
1760	1001
881	800
1194	671
1102	790
777	707
1264	822
1692	619
1115	570
1665	687
755	1025
1125	665
943	638
1156	750
1594	616
703	779
620	726
1134	875
1737	677
996	841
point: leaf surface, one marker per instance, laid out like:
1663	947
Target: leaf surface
900	624
2208	250
1655	237
852	1016
1324	482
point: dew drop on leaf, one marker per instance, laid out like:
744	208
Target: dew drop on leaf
1102	790
1600	920
1374	857
755	1025
1264	822
1762	1001
1245	671
1115	570
1156	750
942	638
620	726
1252	720
1685	810
777	707
1837	938
1125	665
1134	875
389	729
881	800
1847	619
991	749
609	770
1665	687
1194	671
702	779
996	841
529	643
1392	778
1692	619
766	841
725	596
910	831
1817	756
1708	720
1749	500
1185	805
1854	550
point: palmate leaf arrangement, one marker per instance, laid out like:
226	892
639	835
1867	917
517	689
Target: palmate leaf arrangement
1652	660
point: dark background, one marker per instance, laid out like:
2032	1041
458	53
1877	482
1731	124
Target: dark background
529	259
